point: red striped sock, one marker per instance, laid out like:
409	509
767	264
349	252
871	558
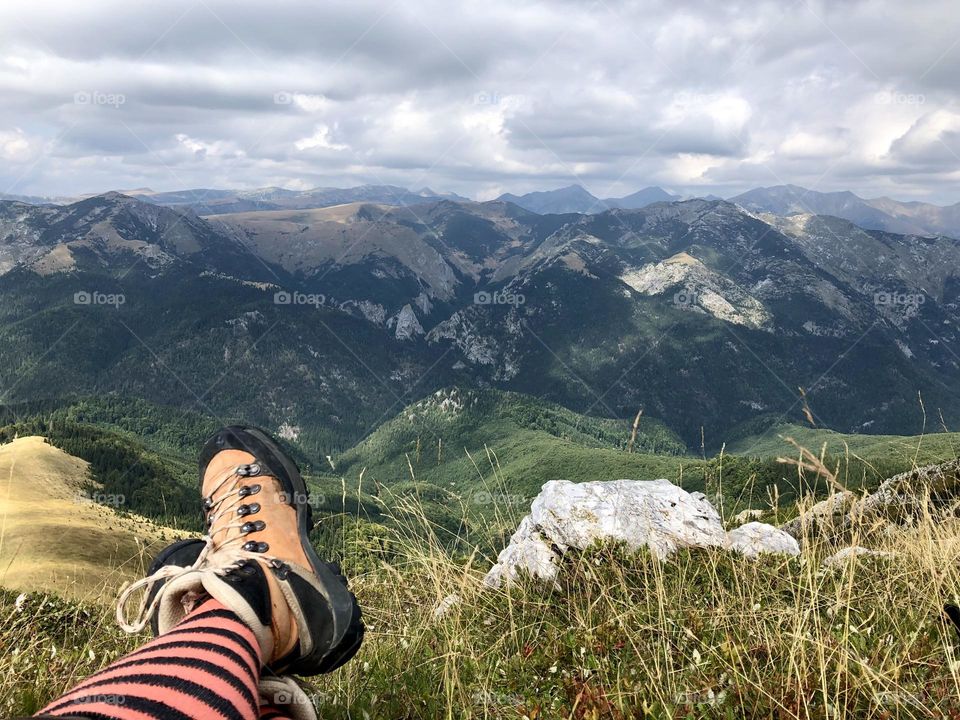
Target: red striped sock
205	668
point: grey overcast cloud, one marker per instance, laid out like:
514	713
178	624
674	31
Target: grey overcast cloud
481	98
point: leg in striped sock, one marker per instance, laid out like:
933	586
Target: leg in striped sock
207	666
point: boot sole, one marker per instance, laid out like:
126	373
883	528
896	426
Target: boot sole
344	607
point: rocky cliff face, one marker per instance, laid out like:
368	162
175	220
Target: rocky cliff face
699	311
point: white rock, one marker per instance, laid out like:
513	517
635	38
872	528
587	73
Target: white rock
756	538
825	516
408	327
653	513
528	553
445	605
373	312
842	556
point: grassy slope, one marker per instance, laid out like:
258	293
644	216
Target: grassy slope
51	539
919	449
767	639
530	441
704	635
473	460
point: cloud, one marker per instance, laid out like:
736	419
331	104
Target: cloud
321	139
15	146
809	145
479	98
931	143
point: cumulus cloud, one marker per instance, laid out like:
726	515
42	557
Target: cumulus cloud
481	97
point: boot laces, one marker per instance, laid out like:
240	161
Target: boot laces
218	557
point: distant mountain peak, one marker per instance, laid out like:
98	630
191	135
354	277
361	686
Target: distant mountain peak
908	218
568	199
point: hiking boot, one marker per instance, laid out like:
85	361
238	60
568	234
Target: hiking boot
257	560
184	554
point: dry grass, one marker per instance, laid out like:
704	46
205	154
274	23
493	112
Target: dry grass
706	634
703	635
54	538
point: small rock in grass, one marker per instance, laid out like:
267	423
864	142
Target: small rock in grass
755	538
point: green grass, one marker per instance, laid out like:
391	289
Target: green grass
622	635
446	437
704	635
48	645
920	449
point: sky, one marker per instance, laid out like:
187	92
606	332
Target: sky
481	98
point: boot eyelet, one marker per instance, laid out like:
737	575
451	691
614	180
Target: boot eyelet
255	526
250	509
257	547
248	490
207	504
248	470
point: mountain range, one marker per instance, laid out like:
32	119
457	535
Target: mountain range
576	199
883	213
323	322
917	218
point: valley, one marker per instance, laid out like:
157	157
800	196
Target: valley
702	314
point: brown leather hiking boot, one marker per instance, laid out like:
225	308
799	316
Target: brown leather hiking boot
258	561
